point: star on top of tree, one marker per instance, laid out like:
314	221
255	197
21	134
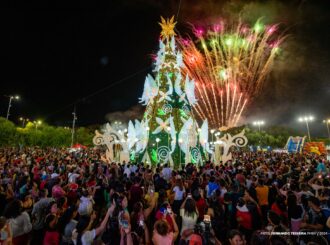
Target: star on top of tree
167	27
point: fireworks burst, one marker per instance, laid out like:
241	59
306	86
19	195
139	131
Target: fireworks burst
229	66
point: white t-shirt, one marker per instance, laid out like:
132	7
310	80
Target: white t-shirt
167	173
72	177
188	222
86	239
178	193
85	206
127	171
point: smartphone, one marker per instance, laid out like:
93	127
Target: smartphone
207	219
189	195
124	223
169	210
163	211
141	222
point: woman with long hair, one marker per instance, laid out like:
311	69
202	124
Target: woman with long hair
139	219
67	223
295	213
179	193
189	215
216	213
162	235
244	218
84	234
19	222
280	208
52	236
119	214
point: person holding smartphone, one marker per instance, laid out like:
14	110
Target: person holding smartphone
189	215
162	235
83	234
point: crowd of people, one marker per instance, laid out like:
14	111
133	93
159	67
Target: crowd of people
54	196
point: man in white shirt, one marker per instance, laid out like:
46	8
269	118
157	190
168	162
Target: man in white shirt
127	170
167	172
72	177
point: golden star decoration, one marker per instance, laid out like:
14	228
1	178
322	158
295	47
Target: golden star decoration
167	27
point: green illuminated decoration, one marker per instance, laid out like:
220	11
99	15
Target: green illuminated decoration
182	113
169	97
154	155
161	112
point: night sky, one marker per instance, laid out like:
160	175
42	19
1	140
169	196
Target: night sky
97	57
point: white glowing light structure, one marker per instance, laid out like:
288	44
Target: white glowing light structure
258	124
307	119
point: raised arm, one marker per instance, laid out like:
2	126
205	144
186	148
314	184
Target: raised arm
152	205
99	229
175	227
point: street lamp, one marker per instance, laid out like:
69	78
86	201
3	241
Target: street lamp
327	122
306	120
74	118
11	97
24	120
259	124
37	123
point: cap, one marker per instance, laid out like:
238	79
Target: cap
91	183
73	186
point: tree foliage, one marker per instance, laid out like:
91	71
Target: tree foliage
273	136
49	136
41	135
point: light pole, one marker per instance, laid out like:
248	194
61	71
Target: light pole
259	124
306	120
24	120
327	122
11	97
37	123
157	141
73	125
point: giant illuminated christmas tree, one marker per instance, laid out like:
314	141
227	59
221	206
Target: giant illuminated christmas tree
168	132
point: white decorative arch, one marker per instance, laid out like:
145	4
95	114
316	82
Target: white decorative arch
110	138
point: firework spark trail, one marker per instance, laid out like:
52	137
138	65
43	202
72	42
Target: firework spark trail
233	60
200	93
216	103
237	107
228	101
209	103
240	113
221	97
233	102
199	111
